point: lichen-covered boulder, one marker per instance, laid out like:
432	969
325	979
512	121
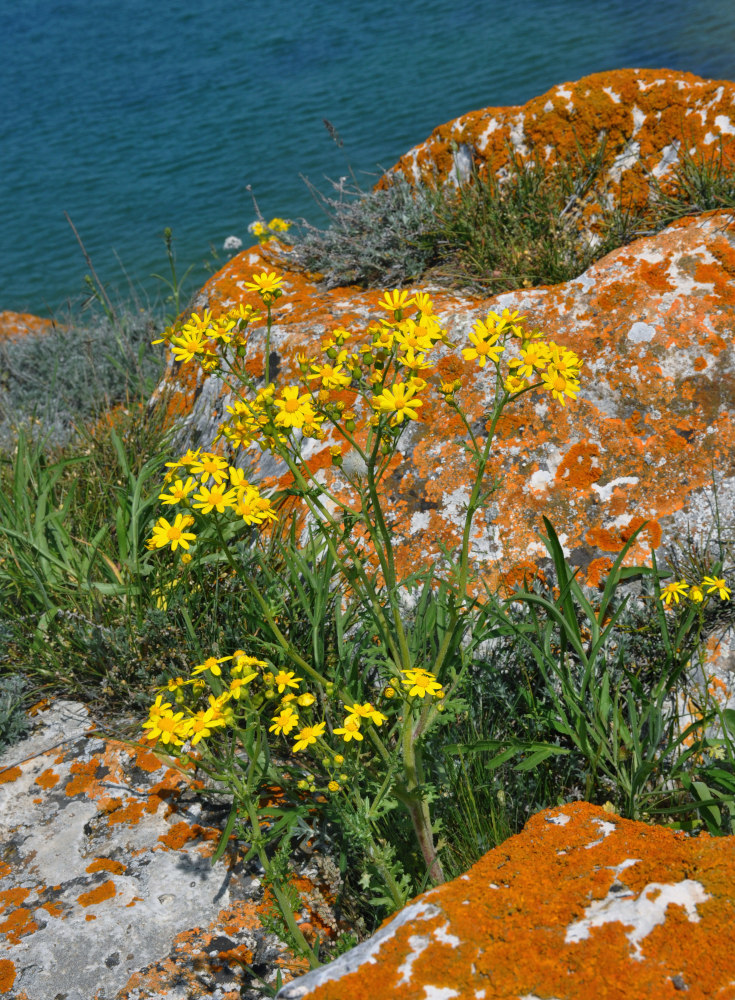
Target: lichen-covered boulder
580	904
650	431
107	889
642	121
14	324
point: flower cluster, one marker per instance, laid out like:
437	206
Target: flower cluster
266	231
208	483
698	593
204	338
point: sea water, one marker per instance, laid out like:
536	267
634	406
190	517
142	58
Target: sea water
132	116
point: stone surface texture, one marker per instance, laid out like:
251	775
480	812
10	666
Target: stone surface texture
14	324
580	904
649	120
107	891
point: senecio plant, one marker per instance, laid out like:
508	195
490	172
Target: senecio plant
330	739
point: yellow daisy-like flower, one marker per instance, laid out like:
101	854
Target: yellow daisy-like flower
284	680
421	682
244	663
696	594
305	699
393	301
293	409
167	728
534	358
332	376
413	337
422	301
309	735
673	591
202	724
286	720
484	346
350	730
717	585
266	284
178	492
515	384
399	401
216	497
238	685
333	786
366	711
209	465
212	664
253	508
237	478
172	534
188	346
559	384
159	707
564	360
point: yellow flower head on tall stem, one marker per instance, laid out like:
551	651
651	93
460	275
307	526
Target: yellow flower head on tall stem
717	585
559	384
485	346
673	591
350	730
267	285
172	534
398	400
395	301
309	735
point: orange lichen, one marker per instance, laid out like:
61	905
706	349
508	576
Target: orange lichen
580	467
17	924
7	975
53	909
106	865
598	570
97	895
524	897
9	774
47	779
83	772
180	834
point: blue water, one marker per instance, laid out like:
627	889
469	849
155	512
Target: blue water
132	116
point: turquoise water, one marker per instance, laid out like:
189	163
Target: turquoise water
133	116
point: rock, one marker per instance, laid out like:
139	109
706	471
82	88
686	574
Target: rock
649	119
14	324
580	904
651	428
106	884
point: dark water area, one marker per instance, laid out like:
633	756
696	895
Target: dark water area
132	116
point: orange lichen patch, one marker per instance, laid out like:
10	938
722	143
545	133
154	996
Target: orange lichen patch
180	834
90	916
14	324
53	909
146	760
12	897
580	467
84	772
106	865
97	895
567	895
17	924
40	706
598	570
613	540
133	901
130	812
5	869
47	779
9	774
7	975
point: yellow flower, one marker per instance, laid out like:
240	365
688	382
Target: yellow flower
237	685
237	478
293	410
393	301
172	534
339	759
717	584
209	465
350	730
279	225
514	384
286	720
559	384
366	711
167	728
305	699
253	508
284	680
202	724
422	301
243	662
217	498
534	357
186	347
421	682
333	786
309	735
696	594
178	492
673	591
267	285
212	664
399	401
332	376
486	346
